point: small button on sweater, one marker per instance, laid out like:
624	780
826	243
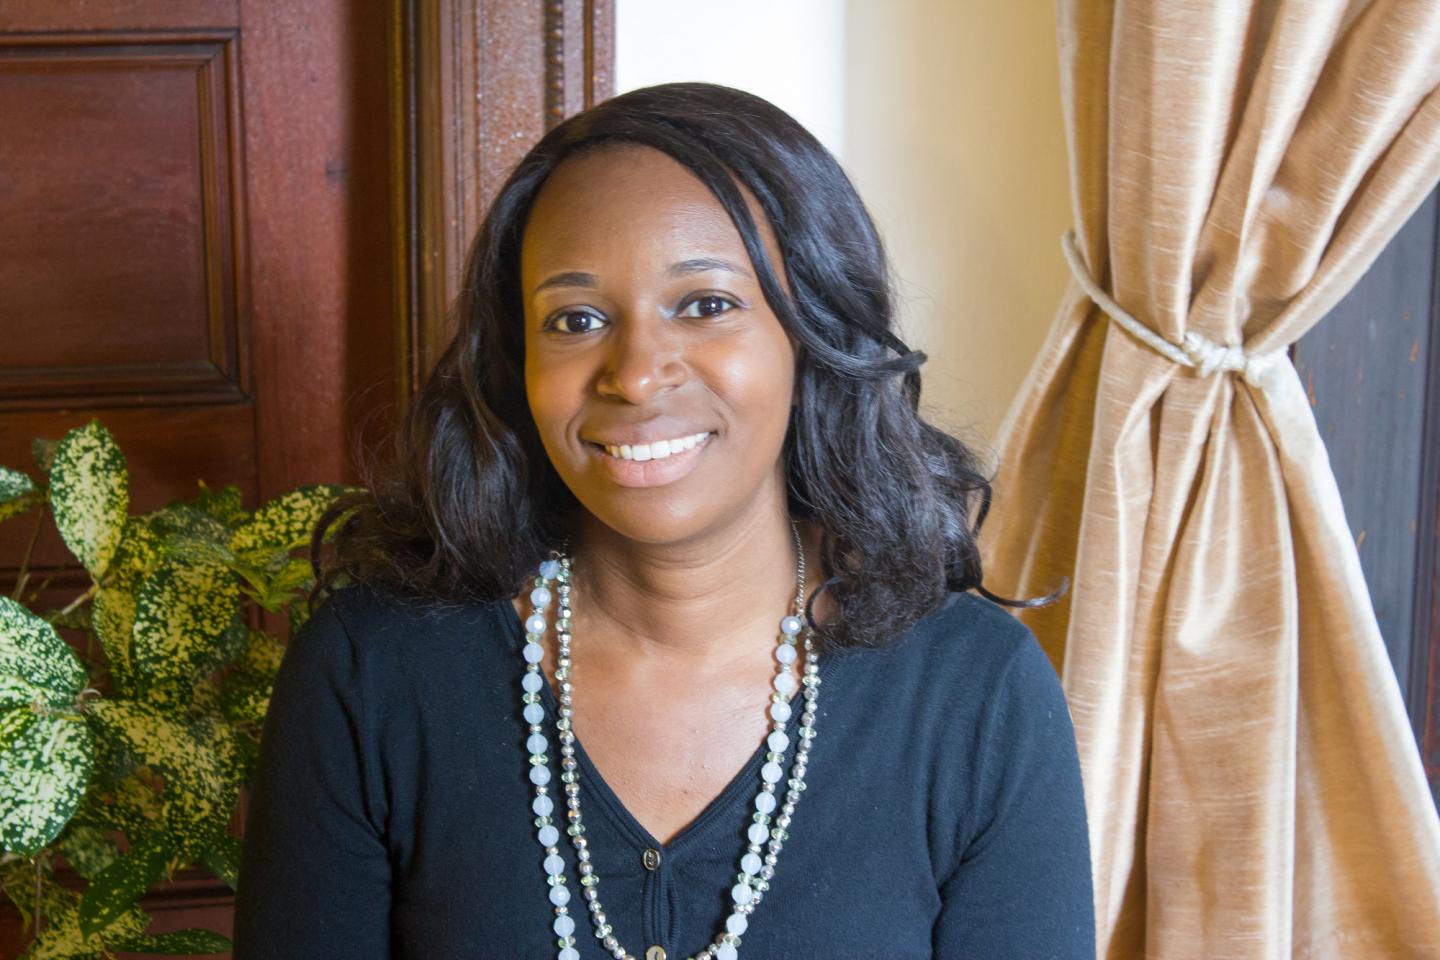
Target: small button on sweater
390	816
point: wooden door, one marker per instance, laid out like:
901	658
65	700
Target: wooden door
1372	370
229	230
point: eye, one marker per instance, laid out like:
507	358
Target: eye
708	305
590	322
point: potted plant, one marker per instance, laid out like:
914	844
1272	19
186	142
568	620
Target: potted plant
153	731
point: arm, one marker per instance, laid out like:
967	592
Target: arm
314	877
1023	885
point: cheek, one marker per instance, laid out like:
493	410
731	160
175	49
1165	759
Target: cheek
548	391
758	378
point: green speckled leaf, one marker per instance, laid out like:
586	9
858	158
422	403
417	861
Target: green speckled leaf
285	523
14	483
17	692
293	576
73	618
192	942
31	650
90	494
116	888
220	738
249	753
141	551
128	805
44	767
263	654
87	849
198	762
223	859
297	612
112	617
61	938
190	534
181	611
17	493
225	505
244	697
231	644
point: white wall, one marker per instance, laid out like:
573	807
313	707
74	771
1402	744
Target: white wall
946	114
791	52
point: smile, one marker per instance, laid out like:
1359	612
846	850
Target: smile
645	465
658	450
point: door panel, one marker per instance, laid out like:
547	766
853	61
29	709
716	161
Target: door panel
217	221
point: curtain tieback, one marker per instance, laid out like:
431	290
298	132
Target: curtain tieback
1197	350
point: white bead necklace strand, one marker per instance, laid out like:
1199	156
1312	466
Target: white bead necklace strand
755	870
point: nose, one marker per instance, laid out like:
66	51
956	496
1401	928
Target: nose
642	359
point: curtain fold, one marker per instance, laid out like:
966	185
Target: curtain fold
1252	783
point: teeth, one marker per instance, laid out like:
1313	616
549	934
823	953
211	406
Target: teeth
658	450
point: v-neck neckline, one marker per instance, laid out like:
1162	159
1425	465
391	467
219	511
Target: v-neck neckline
745	781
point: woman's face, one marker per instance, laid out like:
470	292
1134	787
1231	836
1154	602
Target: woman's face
645	329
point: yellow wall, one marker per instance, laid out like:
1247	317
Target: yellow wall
953	136
946	113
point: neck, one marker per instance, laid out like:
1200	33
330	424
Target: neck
698	604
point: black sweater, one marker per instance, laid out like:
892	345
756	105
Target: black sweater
390	814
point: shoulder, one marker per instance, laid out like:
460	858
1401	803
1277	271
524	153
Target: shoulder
385	636
971	642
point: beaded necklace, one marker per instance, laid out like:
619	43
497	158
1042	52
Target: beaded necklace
761	853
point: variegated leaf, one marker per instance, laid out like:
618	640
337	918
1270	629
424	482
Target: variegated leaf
112	617
17	882
90	495
297	612
87	849
191	942
31	650
116	888
225	505
17	691
71	618
263	654
181	611
197	762
294	575
140	553
223	859
61	939
216	733
14	483
191	534
244	697
128	805
248	746
285	523
17	493
45	765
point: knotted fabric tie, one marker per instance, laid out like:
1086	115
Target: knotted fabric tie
1197	350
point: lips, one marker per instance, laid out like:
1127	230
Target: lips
654	449
652	472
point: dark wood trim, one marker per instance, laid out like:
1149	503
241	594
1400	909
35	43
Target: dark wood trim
474	84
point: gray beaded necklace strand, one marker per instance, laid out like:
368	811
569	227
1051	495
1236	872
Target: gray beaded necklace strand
755	870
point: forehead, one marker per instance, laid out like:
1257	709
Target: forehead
627	203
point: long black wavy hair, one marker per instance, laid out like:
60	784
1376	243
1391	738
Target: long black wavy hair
470	502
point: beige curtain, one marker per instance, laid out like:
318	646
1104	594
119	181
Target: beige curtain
1252	784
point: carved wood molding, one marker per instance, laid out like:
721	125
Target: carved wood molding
473	84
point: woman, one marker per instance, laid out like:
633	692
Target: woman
667	495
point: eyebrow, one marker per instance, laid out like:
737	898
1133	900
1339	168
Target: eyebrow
579	278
